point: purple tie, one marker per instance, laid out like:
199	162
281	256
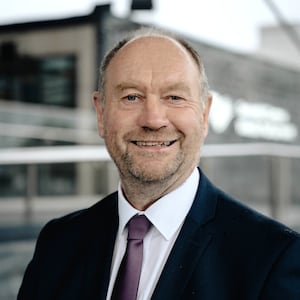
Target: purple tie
127	281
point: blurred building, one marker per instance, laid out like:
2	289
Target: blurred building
280	45
48	71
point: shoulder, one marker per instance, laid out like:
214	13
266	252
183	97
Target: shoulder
240	216
102	208
79	224
242	224
257	250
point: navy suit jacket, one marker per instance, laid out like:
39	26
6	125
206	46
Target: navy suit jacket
225	251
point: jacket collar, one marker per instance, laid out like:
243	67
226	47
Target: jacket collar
190	245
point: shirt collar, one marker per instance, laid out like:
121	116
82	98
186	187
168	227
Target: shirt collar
168	213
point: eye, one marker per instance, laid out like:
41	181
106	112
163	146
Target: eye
175	98
131	98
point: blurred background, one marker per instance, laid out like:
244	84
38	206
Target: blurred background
51	158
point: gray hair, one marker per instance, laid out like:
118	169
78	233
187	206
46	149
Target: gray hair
153	32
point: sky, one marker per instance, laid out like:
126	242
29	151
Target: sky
231	24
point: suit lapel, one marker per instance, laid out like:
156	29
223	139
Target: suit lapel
190	245
101	245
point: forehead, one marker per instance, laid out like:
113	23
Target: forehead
153	55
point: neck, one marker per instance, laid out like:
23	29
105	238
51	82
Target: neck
142	194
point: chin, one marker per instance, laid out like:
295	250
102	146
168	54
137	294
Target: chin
152	174
151	169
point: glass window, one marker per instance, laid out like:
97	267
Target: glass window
57	80
43	80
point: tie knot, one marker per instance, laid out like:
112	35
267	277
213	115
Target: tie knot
138	226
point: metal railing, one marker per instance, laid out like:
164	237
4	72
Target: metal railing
60	154
279	154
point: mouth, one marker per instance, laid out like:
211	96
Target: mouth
154	143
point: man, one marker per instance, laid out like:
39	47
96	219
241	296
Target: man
152	108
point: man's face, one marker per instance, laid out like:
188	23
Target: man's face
153	121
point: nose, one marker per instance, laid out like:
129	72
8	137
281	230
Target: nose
153	114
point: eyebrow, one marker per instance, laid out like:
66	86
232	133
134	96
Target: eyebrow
127	85
178	86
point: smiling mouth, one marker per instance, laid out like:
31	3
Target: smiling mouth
153	143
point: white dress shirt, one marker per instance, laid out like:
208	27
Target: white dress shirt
167	216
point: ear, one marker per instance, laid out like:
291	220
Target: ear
206	110
99	111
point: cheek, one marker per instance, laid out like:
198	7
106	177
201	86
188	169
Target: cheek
116	124
188	122
110	119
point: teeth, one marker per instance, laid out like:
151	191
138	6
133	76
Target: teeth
150	144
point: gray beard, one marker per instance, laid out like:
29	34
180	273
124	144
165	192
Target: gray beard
142	176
